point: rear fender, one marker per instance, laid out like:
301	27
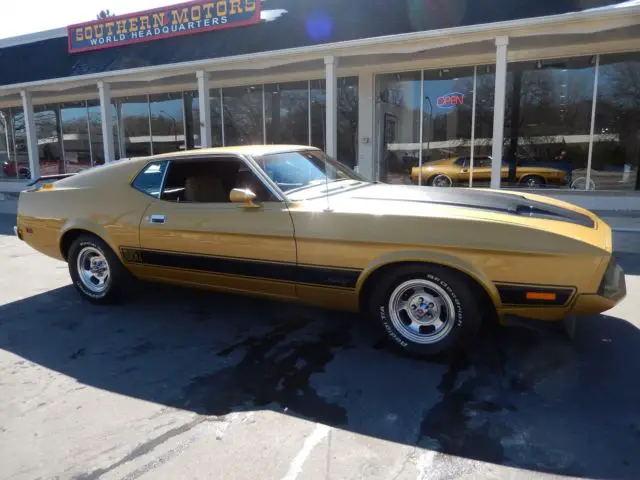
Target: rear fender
94	228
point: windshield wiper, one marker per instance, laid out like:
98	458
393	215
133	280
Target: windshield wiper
316	183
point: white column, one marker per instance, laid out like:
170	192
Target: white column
204	102
366	132
106	117
32	134
498	110
331	64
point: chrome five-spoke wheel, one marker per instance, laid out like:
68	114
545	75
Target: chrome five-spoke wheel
93	269
442	181
421	311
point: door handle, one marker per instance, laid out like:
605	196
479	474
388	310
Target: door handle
157	218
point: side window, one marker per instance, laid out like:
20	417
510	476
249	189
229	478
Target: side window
484	162
210	180
462	161
149	180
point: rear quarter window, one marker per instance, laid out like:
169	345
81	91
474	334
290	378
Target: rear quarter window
150	179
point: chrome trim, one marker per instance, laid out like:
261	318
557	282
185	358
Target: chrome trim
164	179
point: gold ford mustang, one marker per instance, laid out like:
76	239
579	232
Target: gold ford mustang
426	264
449	172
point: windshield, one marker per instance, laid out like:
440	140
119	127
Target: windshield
306	173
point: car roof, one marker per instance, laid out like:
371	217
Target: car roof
252	150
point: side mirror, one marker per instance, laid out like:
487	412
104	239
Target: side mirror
243	195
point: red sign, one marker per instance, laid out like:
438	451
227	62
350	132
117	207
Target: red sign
165	22
450	100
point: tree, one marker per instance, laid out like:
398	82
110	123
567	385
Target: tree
105	14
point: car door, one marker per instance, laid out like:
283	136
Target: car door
194	235
481	170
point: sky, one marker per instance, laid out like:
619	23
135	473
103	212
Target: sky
20	17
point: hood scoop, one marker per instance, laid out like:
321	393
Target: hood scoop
483	200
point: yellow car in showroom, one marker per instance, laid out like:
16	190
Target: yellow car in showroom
428	265
454	171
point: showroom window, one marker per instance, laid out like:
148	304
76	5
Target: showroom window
547	122
8	158
550	140
167	122
398	118
616	140
446	125
76	142
287	113
47	120
217	126
133	126
243	115
95	132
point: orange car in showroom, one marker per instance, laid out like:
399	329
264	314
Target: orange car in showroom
453	171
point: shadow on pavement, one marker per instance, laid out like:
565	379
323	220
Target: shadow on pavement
518	398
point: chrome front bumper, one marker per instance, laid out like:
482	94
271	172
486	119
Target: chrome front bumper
16	232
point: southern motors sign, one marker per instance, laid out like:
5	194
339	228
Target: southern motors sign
165	22
450	100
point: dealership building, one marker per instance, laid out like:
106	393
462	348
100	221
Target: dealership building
498	90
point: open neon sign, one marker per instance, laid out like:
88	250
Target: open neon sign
450	100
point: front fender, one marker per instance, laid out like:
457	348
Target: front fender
438	258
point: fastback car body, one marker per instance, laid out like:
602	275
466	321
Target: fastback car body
453	171
427	264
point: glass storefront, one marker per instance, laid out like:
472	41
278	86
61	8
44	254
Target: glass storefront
398	112
616	145
133	126
8	161
287	113
166	120
243	115
441	119
547	137
76	143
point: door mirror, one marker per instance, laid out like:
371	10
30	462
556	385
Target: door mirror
243	195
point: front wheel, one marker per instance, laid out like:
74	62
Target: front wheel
96	271
426	310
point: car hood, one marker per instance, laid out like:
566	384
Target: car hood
503	202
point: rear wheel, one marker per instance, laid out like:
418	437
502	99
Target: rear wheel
532	181
441	180
426	310
96	271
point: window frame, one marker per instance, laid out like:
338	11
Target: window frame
142	171
260	175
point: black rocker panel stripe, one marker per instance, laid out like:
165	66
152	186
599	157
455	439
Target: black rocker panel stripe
517	295
290	272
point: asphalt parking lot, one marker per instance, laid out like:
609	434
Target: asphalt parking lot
184	384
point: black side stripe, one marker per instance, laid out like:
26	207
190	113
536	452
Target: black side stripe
288	272
517	295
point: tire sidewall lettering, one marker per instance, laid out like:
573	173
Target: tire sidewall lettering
391	331
398	338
